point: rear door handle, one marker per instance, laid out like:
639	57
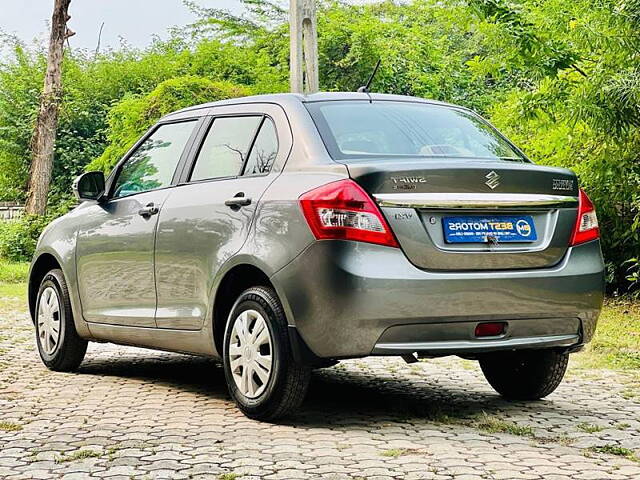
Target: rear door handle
148	210
239	200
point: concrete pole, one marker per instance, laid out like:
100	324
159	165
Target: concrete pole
304	46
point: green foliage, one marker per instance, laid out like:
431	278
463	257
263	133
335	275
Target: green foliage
20	85
424	46
94	85
633	274
576	103
18	238
130	118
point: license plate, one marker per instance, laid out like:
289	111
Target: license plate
496	229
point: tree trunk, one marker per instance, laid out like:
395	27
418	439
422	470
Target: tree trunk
44	135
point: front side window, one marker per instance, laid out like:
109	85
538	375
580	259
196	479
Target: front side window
361	129
154	162
264	150
225	149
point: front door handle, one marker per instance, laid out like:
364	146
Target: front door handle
148	210
239	200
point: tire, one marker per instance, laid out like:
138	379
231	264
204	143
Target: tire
53	308
525	375
262	396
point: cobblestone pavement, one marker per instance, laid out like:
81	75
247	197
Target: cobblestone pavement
134	413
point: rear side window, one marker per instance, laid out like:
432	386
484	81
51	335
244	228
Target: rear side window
361	129
225	149
153	163
264	150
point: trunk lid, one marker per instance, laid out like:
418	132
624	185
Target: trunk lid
417	196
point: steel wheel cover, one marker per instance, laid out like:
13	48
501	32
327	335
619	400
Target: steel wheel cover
49	320
250	353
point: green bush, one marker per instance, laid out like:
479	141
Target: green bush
130	118
18	238
575	102
94	84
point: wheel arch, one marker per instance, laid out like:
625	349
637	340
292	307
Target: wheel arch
236	280
39	268
233	282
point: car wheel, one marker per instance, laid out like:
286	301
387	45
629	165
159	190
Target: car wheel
61	348
526	375
263	378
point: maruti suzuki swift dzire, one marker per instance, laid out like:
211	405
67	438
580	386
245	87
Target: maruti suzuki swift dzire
283	233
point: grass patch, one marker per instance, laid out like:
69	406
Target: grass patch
446	414
77	455
13	290
228	476
616	344
112	451
393	453
397	452
590	427
491	424
13	272
616	450
10	426
13	297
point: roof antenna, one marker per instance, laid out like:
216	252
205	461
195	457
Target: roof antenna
365	88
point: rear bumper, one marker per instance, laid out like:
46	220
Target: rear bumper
349	299
459	337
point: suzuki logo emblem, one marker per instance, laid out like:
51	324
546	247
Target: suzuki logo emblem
493	180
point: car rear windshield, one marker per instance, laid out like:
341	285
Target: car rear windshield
363	129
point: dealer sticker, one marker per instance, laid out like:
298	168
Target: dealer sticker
497	229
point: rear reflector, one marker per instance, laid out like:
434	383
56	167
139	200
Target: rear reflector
492	329
342	210
586	227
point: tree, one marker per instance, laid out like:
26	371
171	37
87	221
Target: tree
44	135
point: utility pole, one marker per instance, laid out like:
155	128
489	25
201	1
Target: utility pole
44	136
303	30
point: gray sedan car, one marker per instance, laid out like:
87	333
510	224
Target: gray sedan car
283	233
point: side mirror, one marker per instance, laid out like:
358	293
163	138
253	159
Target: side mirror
89	186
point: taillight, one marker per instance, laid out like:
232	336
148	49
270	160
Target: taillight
343	210
586	227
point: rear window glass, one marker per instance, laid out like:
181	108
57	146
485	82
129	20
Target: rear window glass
356	129
264	150
225	149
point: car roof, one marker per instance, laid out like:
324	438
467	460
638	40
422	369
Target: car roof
287	98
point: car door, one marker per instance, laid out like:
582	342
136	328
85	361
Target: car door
115	244
206	219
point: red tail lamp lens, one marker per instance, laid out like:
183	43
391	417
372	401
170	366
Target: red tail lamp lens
342	210
586	227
